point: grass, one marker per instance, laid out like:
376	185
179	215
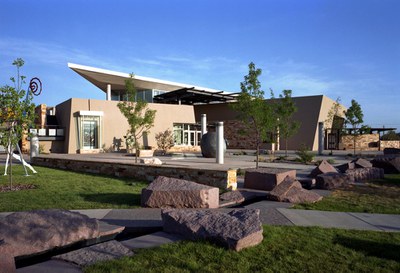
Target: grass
380	196
69	190
284	249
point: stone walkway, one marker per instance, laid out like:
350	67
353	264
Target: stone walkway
148	221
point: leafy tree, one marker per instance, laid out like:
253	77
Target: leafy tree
391	135
139	117
16	113
285	108
334	119
165	140
354	117
256	114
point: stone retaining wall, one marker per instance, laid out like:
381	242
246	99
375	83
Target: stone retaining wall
368	142
223	179
390	144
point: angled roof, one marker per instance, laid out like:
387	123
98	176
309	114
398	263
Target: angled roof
101	77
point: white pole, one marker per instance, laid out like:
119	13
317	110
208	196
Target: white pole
220	142
203	124
108	96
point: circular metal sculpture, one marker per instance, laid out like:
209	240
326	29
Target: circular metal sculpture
209	145
35	86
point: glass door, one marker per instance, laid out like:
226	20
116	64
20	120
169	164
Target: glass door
90	134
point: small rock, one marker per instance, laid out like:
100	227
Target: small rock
290	190
323	167
151	161
347	166
362	163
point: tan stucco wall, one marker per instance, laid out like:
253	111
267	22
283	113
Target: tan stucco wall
114	124
310	111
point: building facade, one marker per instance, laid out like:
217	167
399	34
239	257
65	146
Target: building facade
92	126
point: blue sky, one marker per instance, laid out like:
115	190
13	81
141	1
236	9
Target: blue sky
340	48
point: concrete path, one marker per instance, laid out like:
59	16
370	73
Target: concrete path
149	221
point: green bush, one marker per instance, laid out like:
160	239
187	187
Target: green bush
304	154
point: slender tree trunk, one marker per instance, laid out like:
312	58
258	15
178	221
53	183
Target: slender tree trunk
257	153
285	147
354	145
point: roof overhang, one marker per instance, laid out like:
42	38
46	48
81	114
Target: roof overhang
192	96
102	77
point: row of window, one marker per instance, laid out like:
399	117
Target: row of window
142	94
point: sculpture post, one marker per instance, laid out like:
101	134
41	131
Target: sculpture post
220	142
203	124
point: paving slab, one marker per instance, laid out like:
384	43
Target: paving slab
107	251
269	215
51	266
326	219
135	220
386	222
94	213
152	240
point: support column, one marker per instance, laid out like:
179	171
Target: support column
34	151
320	137
220	142
108	96
203	124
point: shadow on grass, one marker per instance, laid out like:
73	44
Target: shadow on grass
381	250
118	199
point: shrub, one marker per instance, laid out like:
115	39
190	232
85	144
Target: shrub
165	140
304	154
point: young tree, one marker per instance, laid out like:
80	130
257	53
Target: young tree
354	117
16	113
255	113
285	108
139	117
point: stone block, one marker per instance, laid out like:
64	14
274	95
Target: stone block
266	178
166	192
347	166
236	230
323	167
290	190
7	262
330	181
364	174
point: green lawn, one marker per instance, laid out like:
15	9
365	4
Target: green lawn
69	190
382	196
284	249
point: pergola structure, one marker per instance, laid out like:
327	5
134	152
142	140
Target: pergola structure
192	96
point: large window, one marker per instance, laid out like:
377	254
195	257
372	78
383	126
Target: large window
142	94
89	130
187	134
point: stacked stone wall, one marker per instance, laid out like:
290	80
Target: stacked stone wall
390	144
223	179
367	142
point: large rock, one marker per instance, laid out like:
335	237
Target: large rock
237	229
266	178
364	174
389	163
208	145
165	192
330	181
322	168
34	232
290	190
